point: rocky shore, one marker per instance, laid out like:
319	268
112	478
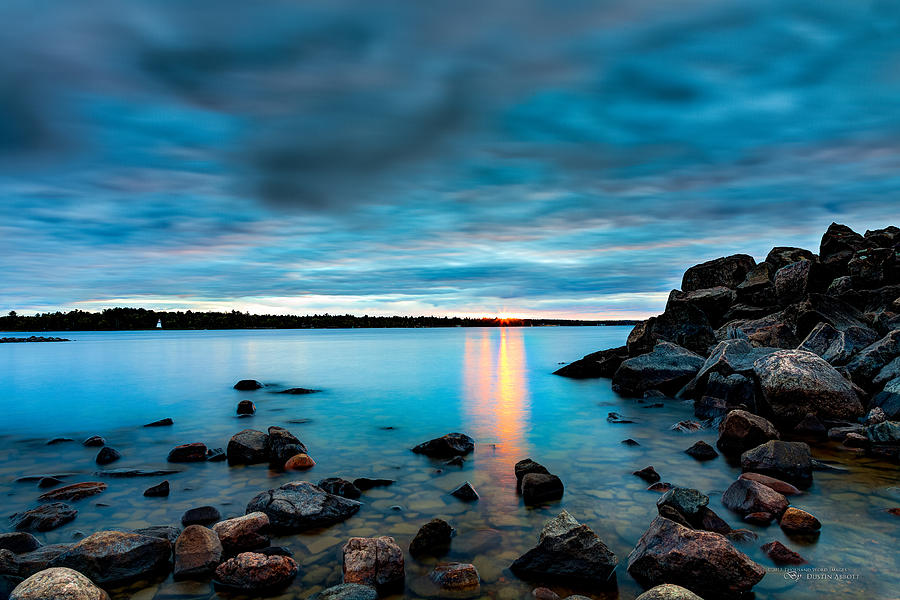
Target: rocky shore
31	338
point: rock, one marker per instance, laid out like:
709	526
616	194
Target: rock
741	430
874	267
247	385
648	474
249	532
782	487
542	593
629	442
875	416
367	483
835	346
255	572
686	501
790	461
702	451
58	584
524	467
275	551
202	515
773	330
568	552
298	391
136	472
95	441
198	552
888	400
687	426
660	487
781	554
347	591
159	490
377	562
340	487
667	368
838	246
18	542
113	558
597	364
681	324
284	445
704	562
793	282
869	362
29	563
75	491
161	423
667	591
887	373
108	455
432	539
799	521
246	407
746	496
465	492
194	452
757	288
46	482
795	383
216	455
541	487
248	447
45	518
714	302
59	440
299	462
884	433
300	505
782	256
166	532
456	577
762	518
728	357
615	417
447	446
855	440
839	433
727	272
810	427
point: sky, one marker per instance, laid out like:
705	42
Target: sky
507	158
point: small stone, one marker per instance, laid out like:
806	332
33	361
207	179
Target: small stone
456	577
855	440
299	462
75	491
465	492
686	501
340	487
781	554
745	496
194	452
799	521
18	542
247	385
45	518
759	518
702	451
524	467
648	474
628	442
216	455
246	407
203	515
244	533
108	455
59	440
161	423
687	426
94	441
347	591
660	487
615	417
159	490
255	572
366	483
432	539
58	584
447	446
46	482
541	487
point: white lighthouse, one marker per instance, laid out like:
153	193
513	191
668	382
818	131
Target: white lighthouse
159	324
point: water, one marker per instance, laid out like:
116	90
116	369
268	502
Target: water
495	384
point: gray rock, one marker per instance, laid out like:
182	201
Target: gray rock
244	533
884	433
728	271
58	584
668	591
681	324
377	562
29	563
835	346
248	447
687	501
869	362
198	552
541	487
758	288
888	399
18	542
667	368
746	496
714	302
300	505
790	461
113	558
741	430
45	518
282	445
887	373
347	591
446	446
782	256
597	364
733	356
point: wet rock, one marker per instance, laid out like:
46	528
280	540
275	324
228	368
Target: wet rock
648	474
629	442
794	281
247	385
884	433
524	467
366	483
741	536
299	462
456	461
569	552
45	518
888	400
249	532
194	452
216	455
300	505
347	591
615	417
729	357
781	554
687	501
59	440
666	368
432	539
161	423
745	496
667	591
799	521
836	346
869	362
795	383
275	551
839	433
108	455
95	441
773	330
166	532
782	487
758	287
46	482
704	562
887	373
728	271
541	487
159	490
735	391
875	416
855	440
127	473
246	407
542	593
298	391
465	492
702	451
75	491
113	558
377	562
255	572
283	445
597	364
29	563
687	426
762	519
198	552
248	447
456	577
58	584
741	430
790	461
681	324
447	446
340	487
660	487
202	515
810	427
18	542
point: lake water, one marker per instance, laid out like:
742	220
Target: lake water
494	384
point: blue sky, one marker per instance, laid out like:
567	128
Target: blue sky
565	158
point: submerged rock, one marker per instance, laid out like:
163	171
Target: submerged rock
432	539
248	447
58	584
781	554
790	461
367	483
255	572
113	558
377	562
746	496
75	491
465	492
246	407
45	518
247	385
648	474
202	515
741	430
193	452
541	487
283	446
447	446
347	591
198	552
159	490
249	532
668	591
108	455
95	441
569	552
702	451
300	505
340	487
687	501
666	368
799	521
161	423
456	577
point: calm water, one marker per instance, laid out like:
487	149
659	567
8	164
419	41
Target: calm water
495	384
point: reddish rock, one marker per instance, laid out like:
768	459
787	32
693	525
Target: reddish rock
244	533
894	511
741	430
45	518
746	496
759	518
377	562
648	474
795	520
197	552
113	558
299	462
76	491
58	584
456	577
542	593
246	407
781	554
194	452
660	487
254	572
782	487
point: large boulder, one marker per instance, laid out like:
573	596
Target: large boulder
836	346
377	562
244	533
18	542
821	308
198	552
113	558
701	561
58	584
874	267
782	256
795	383
248	447
888	399
746	496
728	357
300	505
29	563
668	591
714	302
667	368
681	323
45	518
256	573
446	446
888	237
597	364
839	244
790	461
867	364
728	271
569	552
283	445
758	289
741	430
